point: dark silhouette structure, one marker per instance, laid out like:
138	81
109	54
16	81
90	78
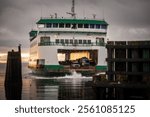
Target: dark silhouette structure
128	73
129	66
13	77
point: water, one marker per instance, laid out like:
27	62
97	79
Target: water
51	88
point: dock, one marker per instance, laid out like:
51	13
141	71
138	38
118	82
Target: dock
128	73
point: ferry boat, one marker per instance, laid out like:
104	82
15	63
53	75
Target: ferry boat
60	45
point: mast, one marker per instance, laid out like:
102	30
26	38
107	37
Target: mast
72	13
73	9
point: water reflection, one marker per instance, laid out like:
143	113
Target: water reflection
46	88
60	88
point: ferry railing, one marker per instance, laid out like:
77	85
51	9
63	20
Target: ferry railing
70	44
79	18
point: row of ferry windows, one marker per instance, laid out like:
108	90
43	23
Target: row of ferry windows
62	25
71	41
67	41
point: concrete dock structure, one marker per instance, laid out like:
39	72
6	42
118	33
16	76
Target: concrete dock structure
128	61
128	73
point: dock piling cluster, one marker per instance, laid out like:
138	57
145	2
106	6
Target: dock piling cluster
13	77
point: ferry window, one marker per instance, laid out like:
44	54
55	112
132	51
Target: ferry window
73	26
89	41
66	41
99	40
62	40
80	25
75	41
80	41
67	25
41	25
71	41
49	25
61	25
102	39
84	41
97	26
92	25
103	26
86	26
45	39
55	25
57	40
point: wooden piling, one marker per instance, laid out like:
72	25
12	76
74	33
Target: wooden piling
13	77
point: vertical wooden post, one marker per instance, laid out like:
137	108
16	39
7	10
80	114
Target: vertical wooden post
13	77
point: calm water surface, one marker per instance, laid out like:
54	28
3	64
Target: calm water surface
51	88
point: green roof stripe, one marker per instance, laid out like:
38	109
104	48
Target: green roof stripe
76	21
33	33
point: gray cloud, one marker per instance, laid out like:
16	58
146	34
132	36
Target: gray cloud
128	19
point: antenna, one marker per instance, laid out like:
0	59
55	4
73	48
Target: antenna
41	10
55	15
103	14
73	8
72	13
94	16
103	10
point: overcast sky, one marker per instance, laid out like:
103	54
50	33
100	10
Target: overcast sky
127	19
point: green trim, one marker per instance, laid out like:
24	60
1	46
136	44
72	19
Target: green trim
72	21
53	67
104	68
33	33
103	33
